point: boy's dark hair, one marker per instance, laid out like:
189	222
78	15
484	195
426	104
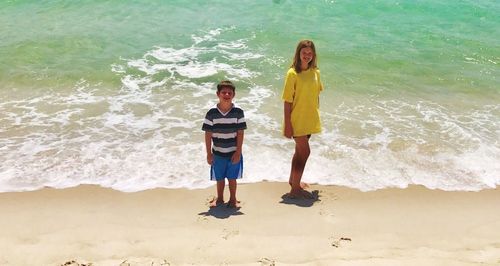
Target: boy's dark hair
225	84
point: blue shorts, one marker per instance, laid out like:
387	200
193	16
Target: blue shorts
222	167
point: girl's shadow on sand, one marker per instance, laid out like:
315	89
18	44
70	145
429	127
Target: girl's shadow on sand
306	201
221	212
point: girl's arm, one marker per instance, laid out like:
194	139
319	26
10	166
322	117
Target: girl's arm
287	110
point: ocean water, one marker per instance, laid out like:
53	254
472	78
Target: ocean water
114	93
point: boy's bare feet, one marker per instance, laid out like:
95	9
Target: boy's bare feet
233	204
216	202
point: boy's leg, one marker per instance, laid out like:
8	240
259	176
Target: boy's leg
220	194
233	202
220	190
234	171
299	160
217	172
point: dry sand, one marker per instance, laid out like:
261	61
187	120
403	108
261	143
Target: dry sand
90	225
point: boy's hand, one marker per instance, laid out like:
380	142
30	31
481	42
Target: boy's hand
210	158
236	157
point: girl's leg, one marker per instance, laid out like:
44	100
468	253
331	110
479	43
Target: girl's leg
299	160
292	170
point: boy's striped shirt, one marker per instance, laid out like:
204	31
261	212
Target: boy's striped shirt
224	127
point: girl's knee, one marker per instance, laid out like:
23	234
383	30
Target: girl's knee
303	152
307	152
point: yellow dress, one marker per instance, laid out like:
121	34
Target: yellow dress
302	91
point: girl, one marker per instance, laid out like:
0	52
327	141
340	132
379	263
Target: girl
301	110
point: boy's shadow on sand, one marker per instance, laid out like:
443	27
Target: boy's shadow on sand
306	201
221	212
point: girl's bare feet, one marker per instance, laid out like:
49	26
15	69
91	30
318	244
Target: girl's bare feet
306	194
300	194
303	185
295	194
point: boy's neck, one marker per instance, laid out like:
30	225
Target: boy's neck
225	107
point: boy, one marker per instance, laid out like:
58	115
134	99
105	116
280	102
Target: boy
223	126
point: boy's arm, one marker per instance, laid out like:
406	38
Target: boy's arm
208	146
239	146
287	110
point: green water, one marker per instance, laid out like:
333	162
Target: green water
411	86
409	45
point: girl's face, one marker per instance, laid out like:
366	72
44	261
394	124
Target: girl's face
306	55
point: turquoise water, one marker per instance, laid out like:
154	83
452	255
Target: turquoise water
114	92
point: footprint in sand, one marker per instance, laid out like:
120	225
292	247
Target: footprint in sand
329	195
161	263
202	219
229	233
267	262
124	263
139	261
336	241
75	263
328	215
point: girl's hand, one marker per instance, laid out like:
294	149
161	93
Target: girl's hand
288	130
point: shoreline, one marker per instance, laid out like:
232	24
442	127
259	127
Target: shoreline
89	224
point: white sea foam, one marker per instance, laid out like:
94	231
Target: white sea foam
147	133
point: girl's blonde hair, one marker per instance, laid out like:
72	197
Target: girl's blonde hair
296	64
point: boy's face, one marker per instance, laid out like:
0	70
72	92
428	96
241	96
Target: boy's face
226	95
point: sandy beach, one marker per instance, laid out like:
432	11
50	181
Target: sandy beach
99	99
90	225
